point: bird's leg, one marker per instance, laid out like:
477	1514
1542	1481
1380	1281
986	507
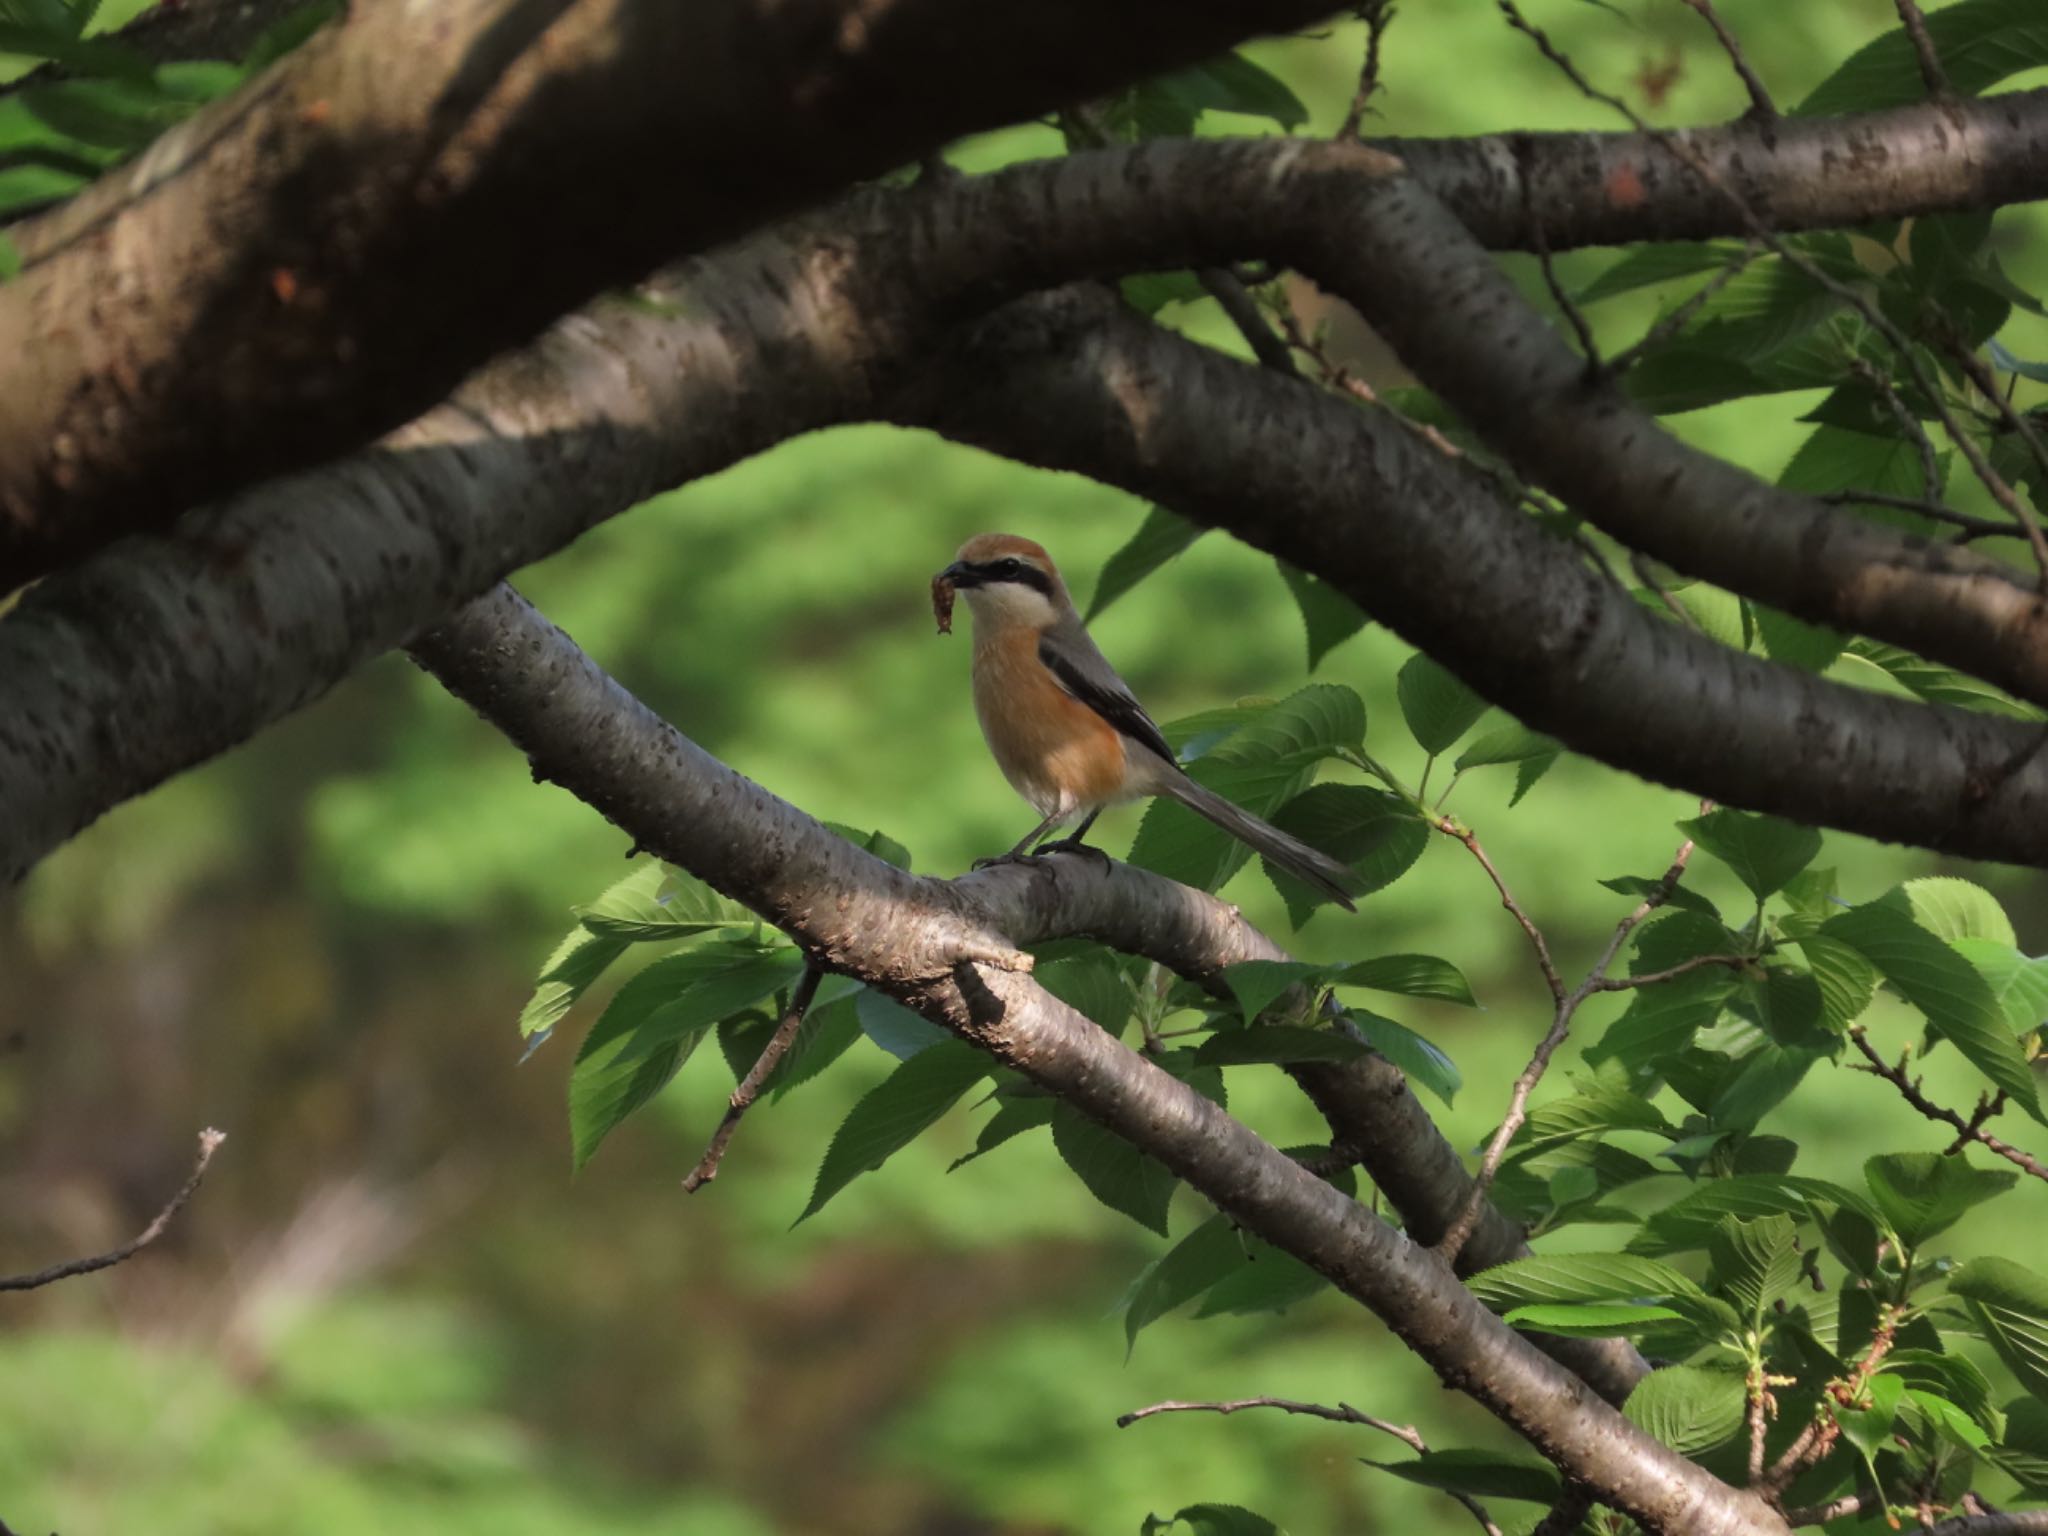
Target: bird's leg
1072	843
1017	854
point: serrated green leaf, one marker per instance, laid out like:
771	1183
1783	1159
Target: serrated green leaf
1661	1020
1846	980
1410	976
1763	851
577	961
1148	293
1212	1520
1377	835
1436	706
880	844
2022	1453
1213	1250
1692	1220
1979	43
2019	984
1649	265
2009	1303
653	1024
1580	1277
1095	985
1678	898
1159	538
1596	1108
1233	83
1419	1058
1482	1474
1942	985
1949	1421
1112	1170
1868	1426
1267	1281
1595	1320
1328	616
1795	642
895	1112
1013	1117
1689	1408
893	1027
1950	908
1924	1193
656	902
1510	743
1935	683
1256	984
1753	1262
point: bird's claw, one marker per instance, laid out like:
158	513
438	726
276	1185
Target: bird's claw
1014	856
1075	845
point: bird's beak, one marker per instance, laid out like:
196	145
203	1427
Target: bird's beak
960	574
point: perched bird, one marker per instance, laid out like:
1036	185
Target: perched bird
1064	728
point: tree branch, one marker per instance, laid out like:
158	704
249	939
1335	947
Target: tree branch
920	940
209	1143
231	304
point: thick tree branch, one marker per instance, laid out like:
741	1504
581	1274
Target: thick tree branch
924	942
314	260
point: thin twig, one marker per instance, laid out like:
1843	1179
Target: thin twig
1966	1130
1940	512
750	1086
1760	105
1818	1438
1820	1514
1455	1236
1932	75
1343	1413
1375	14
1525	174
1681	314
1243	310
1651	978
1470	839
209	1142
1988	1104
1980	375
1812	271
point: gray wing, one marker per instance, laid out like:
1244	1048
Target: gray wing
1084	672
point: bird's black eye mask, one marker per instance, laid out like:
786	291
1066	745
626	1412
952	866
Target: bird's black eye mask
988	573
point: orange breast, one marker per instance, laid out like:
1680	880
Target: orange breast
1055	751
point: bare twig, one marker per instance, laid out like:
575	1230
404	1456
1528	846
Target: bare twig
1818	1438
1931	73
209	1142
1560	1024
1343	1413
1968	1130
1759	99
1909	424
1820	1514
1464	834
1651	978
1940	512
1375	14
1813	272
1236	302
1565	1515
749	1088
1566	307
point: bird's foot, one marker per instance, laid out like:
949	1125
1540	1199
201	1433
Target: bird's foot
1014	856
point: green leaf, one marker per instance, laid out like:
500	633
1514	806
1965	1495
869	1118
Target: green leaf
1596	1320
1943	986
1763	851
1212	1520
1482	1474
1159	538
1266	1281
895	1112
1677	899
2019	984
1923	1193
828	1031
1510	743
1183	1272
654	1023
577	961
1753	1262
10	259
1112	1170
1687	1407
1376	834
1692	1220
1795	642
1233	83
1422	1061
1979	43
2023	1450
1661	1020
2010	1306
1869	1426
1015	1114
1950	908
893	1027
657	902
1095	985
1948	1420
1847	981
1936	684
1276	1043
1527	773
1438	708
1580	1277
288	32
880	844
1649	265
1410	976
1597	1108
1256	984
1328	616
1148	293
1267	761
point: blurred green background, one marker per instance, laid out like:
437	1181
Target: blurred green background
393	1309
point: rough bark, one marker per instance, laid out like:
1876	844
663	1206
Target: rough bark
321	256
925	943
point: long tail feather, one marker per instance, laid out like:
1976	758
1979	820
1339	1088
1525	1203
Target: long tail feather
1289	853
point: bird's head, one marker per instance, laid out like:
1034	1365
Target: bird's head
1008	581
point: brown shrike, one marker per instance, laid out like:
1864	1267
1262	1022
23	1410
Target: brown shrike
1064	728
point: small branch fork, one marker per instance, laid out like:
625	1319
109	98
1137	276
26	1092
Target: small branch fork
209	1143
1760	105
1375	14
1567	1005
1342	1413
1818	1438
1968	1130
1932	75
750	1086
